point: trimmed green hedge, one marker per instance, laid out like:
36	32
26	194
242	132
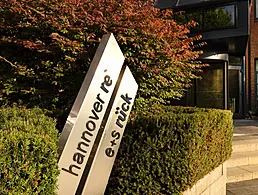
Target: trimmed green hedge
165	150
28	152
168	149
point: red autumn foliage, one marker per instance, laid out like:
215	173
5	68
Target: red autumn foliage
55	41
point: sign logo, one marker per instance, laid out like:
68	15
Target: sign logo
94	128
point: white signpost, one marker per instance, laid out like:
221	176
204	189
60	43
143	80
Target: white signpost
94	128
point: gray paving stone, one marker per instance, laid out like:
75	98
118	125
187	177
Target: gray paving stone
245	187
230	193
244	160
232	185
251	168
249	183
240	191
238	159
245	145
236	174
254	189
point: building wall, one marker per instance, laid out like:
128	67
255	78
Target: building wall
251	55
213	183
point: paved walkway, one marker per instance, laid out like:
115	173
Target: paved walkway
244	130
249	187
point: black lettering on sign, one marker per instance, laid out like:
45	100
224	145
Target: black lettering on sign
126	98
125	107
83	150
121	118
101	101
122	113
107	82
90	125
97	107
84	136
70	170
110	152
78	157
95	116
115	134
113	143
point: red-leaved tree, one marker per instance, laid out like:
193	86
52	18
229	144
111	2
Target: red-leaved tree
46	47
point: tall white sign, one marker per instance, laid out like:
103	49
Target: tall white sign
94	128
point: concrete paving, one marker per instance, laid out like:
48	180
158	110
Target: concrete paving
245	129
244	159
249	187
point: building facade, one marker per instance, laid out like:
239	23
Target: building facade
252	60
230	30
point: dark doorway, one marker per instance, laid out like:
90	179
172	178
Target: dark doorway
234	90
210	89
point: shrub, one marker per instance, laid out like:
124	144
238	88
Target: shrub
46	47
28	148
168	149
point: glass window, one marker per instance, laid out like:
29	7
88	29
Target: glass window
210	18
234	89
196	16
184	17
180	18
256	9
210	89
220	17
235	61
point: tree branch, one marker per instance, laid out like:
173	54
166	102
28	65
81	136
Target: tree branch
7	61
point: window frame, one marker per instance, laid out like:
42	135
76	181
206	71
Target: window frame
225	27
203	10
255	10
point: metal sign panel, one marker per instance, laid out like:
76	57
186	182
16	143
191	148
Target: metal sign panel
97	176
85	118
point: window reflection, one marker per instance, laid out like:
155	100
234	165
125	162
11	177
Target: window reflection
209	90
207	19
184	17
181	18
234	93
196	16
220	17
235	61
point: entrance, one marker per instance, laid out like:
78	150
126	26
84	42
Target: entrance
235	84
210	89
